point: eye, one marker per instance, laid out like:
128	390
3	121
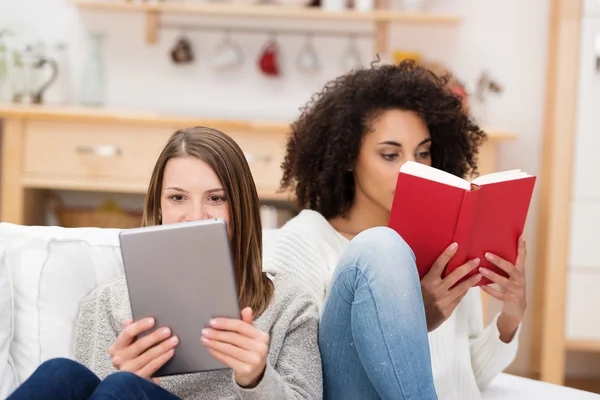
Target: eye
423	154
390	156
217	199
176	197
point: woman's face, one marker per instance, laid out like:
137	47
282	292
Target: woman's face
396	137
191	191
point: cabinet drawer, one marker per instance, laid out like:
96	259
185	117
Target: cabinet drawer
583	298
115	153
265	153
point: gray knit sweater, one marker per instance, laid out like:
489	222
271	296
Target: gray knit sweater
294	363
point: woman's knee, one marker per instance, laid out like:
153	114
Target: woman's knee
381	246
121	379
64	366
127	385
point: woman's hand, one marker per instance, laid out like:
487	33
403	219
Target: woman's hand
441	296
512	291
146	355
239	345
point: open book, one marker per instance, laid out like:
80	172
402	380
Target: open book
432	209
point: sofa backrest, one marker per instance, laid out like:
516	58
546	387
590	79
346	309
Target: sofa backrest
51	270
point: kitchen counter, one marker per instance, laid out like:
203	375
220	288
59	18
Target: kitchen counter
106	150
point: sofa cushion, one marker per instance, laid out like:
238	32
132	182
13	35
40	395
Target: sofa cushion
53	269
7	372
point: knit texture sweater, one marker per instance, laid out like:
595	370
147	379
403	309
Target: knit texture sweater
465	356
294	363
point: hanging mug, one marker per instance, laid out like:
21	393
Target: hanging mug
351	59
228	55
307	60
182	51
268	62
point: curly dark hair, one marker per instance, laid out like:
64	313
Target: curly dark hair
325	140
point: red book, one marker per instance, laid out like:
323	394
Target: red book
432	209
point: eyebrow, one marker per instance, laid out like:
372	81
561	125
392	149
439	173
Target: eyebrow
393	143
178	189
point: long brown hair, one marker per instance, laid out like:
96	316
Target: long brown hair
226	158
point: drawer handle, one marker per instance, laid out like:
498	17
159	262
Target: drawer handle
253	158
100	150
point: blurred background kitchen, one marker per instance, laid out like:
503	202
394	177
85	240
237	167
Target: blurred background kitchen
91	89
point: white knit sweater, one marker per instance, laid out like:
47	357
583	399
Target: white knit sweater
465	356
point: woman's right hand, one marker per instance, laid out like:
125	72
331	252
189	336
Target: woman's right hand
440	295
146	355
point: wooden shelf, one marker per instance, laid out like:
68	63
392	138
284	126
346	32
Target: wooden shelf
104	115
583	345
269	11
382	18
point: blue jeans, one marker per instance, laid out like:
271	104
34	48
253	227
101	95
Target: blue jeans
63	379
373	332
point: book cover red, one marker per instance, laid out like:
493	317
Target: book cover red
430	216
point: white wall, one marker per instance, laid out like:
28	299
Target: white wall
507	37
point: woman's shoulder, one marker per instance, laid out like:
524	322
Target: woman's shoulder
308	222
112	293
290	296
308	228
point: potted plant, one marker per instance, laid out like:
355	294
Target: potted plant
7	58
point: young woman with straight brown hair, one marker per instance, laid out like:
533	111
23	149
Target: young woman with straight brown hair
272	351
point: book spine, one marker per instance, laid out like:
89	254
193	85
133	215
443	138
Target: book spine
463	232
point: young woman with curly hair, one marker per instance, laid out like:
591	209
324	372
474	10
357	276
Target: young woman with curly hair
343	159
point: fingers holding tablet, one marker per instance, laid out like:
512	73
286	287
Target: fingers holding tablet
239	345
143	356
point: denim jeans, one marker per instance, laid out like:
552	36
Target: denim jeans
373	332
63	379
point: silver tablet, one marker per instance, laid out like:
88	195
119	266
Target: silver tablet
182	275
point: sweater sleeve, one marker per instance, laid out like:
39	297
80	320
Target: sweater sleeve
95	333
489	355
297	372
297	255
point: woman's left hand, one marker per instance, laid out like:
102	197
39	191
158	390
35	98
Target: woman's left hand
512	293
239	345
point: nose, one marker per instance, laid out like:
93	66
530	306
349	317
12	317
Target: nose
406	159
197	213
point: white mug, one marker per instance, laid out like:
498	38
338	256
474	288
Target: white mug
413	5
307	60
228	56
351	59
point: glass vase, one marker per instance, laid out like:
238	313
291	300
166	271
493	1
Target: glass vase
93	85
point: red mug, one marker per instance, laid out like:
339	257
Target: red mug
269	59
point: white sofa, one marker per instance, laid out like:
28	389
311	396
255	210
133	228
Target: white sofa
46	271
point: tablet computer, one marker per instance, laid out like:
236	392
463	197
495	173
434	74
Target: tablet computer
182	275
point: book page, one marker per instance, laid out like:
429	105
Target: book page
500	177
434	174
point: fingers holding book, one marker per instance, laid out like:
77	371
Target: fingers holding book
442	295
512	291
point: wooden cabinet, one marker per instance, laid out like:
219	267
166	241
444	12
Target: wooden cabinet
568	268
70	148
583	277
